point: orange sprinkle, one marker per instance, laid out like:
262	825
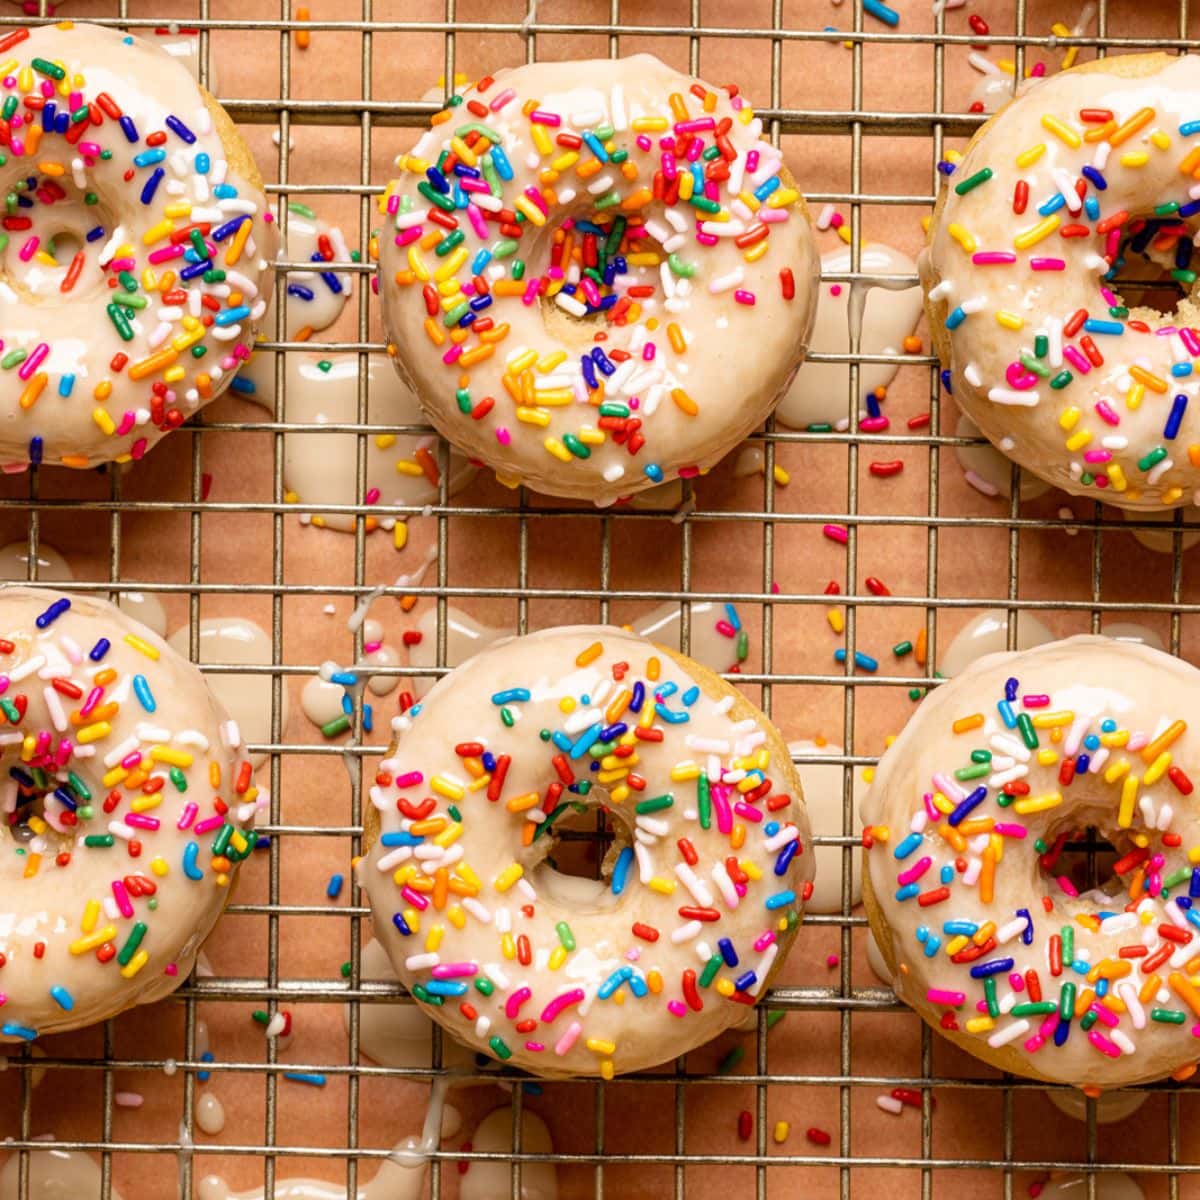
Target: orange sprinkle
965	724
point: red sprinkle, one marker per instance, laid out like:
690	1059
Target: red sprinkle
745	1125
646	932
818	1137
884	470
877	587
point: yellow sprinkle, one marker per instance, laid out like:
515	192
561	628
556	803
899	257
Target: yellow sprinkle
1133	397
1036	804
1047	757
93	941
144	647
1157	769
1161	140
1062	131
600	1046
1069	417
1135	158
1053	720
782	478
508	877
174	758
1028	157
91	914
135	964
159	867
93	732
1077	441
1035	233
836	622
558	956
683	772
589	655
1010	320
1116	477
664	887
1129	791
446	787
146	803
964	238
980	1024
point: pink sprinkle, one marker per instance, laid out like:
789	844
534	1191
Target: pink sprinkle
1105	411
914	872
836	533
452	355
1048	264
1018	377
1016	981
1038	69
414	898
171	969
535	1046
540	117
1038	700
1103	1044
477	222
720	802
677	1008
1188	338
764	940
455	970
832	960
35	360
726	630
992	258
941	996
707	239
187	816
30	248
564	1000
1076	359
751	162
512	1005
409	235
127	422
122	898
744	297
371	647
393	204
209	823
569	1038
835	289
503	436
505	97
874	424
1097	456
1004	829
141	821
132	759
1067	886
1106	1017
373	495
837	220
531	291
644	144
745	810
409	779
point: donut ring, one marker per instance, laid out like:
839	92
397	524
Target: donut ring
988	937
566	302
1093	397
142	177
126	808
700	896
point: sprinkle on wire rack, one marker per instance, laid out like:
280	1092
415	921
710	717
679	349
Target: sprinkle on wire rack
273	990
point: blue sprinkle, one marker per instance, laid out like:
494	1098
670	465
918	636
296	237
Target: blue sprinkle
231	316
996	967
177	127
580	746
204	1076
334	888
52	614
441	184
1175	419
228	229
1082	763
637	985
501	163
691	696
594	144
559	738
300	291
141	689
933	945
1092	207
149	158
345	678
1092	742
621	870
947	875
99	650
667	690
511	695
606	365
728	953
670	716
312	1076
1027	936
12	1029
1007	715
65	386
1094	177
202	164
151	185
347	703
35	450
190	853
881	12
368	718
1061	1031
745	982
1189	210
401	838
401	924
731	614
225	191
1052	205
767	186
1188	128
653	471
613	732
960	928
956	318
446	987
62	998
480	261
780	899
1114	328
129	129
1011	687
785	857
65	798
908	891
907	846
612	983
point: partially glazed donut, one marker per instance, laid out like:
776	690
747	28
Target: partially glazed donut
126	805
596	275
988	936
135	251
698	898
1088	175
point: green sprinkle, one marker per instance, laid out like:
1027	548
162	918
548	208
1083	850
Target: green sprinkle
1154	457
1178	877
463	398
518	269
900	649
1089	1019
730	1062
981	756
425	997
703	203
448	243
680	268
179	779
989	994
710	970
1061	380
336	726
10	711
1041	345
347	970
973	181
42	67
914	693
565	936
1182	276
78	786
120	322
127	301
132	942
478	127
774	1017
1066	1002
1068	946
657	804
264	1018
500	1048
1165	210
301	210
445	203
221	841
575	446
703	800
743	646
507	717
456	314
213	276
1031	364
1034	1008
99	841
1028	733
12	358
976	771
452	809
484	986
1168	1016
607	201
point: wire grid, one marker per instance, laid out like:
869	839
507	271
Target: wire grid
273	990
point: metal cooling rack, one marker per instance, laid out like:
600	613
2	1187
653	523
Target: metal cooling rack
271	989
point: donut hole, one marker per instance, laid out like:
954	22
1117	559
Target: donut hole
573	860
24	803
1084	857
1153	273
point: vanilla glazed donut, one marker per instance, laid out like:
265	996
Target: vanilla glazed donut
701	893
135	246
987	935
597	275
126	807
1089	174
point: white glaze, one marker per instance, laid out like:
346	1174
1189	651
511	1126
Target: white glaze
982	349
707	644
1129	631
321	468
247	698
987	470
210	1113
1110	1185
184	48
988	634
820	393
49	906
489	1180
460	709
733	390
875	960
149	86
1111	1107
464	637
52	567
1161	542
54	1175
321	700
316	298
145	607
1088	680
823	783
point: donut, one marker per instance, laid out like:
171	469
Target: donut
597	275
1087	175
134	253
126	802
696	901
989	936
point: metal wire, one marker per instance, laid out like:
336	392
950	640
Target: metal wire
265	984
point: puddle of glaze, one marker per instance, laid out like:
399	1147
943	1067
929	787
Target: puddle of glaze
822	784
322	468
992	91
54	1175
185	48
1130	631
314	301
399	1035
819	393
210	1114
709	645
988	634
321	700
1115	1186
145	607
988	471
1110	1107
1160	541
464	637
52	567
247	698
488	1180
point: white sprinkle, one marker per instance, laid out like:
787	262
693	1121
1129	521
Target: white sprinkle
890	1104
1009	1033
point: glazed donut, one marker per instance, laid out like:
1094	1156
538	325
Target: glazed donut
1089	173
135	252
988	936
126	808
596	276
700	895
